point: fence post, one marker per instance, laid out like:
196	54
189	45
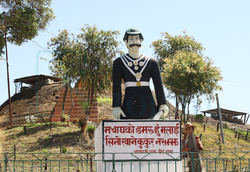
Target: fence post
14	152
25	130
226	165
235	134
204	128
81	162
219	139
6	162
91	164
247	134
50	123
113	159
239	136
87	162
45	168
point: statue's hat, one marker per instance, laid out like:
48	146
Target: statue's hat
132	31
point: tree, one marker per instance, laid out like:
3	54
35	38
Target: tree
86	58
24	19
189	74
186	71
167	47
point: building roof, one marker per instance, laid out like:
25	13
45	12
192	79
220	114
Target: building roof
224	112
33	79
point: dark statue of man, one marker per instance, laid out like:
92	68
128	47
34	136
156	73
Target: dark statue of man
136	70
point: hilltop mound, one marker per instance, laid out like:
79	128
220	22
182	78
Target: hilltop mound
41	100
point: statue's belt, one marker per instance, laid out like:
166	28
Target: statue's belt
136	84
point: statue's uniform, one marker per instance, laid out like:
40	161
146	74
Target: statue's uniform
138	102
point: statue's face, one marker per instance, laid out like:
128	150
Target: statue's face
133	43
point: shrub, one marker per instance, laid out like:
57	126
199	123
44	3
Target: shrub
65	117
199	117
225	125
101	100
81	122
91	127
64	149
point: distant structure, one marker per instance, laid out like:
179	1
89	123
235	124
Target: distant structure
32	81
42	96
228	115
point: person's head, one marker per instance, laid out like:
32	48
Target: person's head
133	39
189	128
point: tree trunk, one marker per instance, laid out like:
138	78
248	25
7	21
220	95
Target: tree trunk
183	111
90	102
71	106
188	111
64	97
177	107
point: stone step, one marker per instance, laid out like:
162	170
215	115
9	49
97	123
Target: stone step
75	91
76	116
73	120
68	100
94	111
75	96
75	107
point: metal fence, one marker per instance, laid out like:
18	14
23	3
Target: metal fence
87	162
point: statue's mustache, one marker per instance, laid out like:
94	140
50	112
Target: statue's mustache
131	45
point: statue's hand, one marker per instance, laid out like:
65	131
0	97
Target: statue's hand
117	112
165	110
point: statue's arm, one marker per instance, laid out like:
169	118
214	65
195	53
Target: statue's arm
117	78
159	91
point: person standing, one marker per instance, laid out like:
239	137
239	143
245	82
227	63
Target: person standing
193	146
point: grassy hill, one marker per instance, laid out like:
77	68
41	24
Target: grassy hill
41	138
211	142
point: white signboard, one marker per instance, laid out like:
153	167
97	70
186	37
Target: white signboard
144	139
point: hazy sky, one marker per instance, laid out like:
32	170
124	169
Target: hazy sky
221	26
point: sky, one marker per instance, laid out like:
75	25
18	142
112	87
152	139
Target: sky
223	28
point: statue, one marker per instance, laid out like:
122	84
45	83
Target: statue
136	70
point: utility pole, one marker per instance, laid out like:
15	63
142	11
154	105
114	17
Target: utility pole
7	64
219	114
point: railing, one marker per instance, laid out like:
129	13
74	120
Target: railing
87	162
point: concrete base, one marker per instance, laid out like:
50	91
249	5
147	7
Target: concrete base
105	164
143	166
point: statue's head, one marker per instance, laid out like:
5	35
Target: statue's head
133	38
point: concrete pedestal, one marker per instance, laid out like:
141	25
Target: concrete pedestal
138	146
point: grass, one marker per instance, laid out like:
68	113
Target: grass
40	137
210	138
103	100
231	151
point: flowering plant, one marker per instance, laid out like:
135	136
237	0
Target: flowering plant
30	119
